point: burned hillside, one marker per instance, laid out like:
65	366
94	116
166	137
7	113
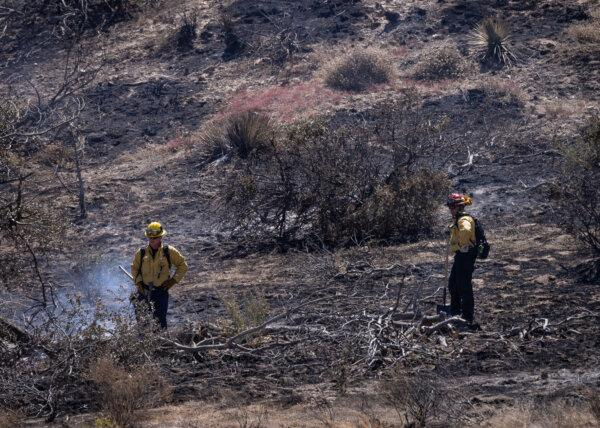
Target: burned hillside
299	155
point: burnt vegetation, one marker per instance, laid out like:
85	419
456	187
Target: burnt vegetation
579	195
327	184
441	62
71	17
187	32
333	217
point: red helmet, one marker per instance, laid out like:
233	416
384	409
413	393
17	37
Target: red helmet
458	199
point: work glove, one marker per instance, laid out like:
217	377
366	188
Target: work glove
168	283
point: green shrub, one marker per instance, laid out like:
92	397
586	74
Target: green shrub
492	39
440	62
358	70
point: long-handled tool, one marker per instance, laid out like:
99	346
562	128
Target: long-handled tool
125	272
148	286
445	308
133	298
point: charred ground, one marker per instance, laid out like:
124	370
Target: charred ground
145	107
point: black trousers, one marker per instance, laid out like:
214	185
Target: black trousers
460	285
156	301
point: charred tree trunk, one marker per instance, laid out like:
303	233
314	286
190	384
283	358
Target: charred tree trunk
79	147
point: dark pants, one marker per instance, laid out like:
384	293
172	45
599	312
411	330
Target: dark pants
460	286
156	301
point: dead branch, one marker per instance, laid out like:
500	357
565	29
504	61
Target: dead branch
70	118
400	287
232	342
38	273
77	74
453	320
295	329
79	146
405	316
56	174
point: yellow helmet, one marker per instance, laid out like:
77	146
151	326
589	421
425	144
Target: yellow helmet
154	230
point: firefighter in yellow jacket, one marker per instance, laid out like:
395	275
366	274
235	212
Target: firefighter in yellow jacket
463	245
151	271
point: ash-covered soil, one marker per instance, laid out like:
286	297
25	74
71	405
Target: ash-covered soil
539	337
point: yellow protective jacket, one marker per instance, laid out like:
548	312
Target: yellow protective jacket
462	234
155	267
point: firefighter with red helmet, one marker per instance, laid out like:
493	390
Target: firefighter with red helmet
463	245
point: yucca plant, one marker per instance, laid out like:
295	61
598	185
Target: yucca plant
491	37
241	134
248	132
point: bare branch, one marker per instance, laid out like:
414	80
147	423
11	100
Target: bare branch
232	341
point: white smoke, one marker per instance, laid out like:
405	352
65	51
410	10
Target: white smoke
97	291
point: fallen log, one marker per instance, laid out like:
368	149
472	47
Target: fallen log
12	333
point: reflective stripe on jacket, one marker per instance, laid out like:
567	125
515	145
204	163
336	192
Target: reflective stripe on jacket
462	234
155	268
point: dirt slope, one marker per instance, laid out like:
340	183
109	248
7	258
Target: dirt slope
149	100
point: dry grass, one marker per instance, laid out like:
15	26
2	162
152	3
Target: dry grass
440	62
588	32
594	403
587	46
256	418
10	418
358	70
178	143
419	397
123	392
502	91
284	104
557	414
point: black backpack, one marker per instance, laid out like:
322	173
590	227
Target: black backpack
143	253
481	243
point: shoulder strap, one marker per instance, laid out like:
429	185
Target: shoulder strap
142	254
167	254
